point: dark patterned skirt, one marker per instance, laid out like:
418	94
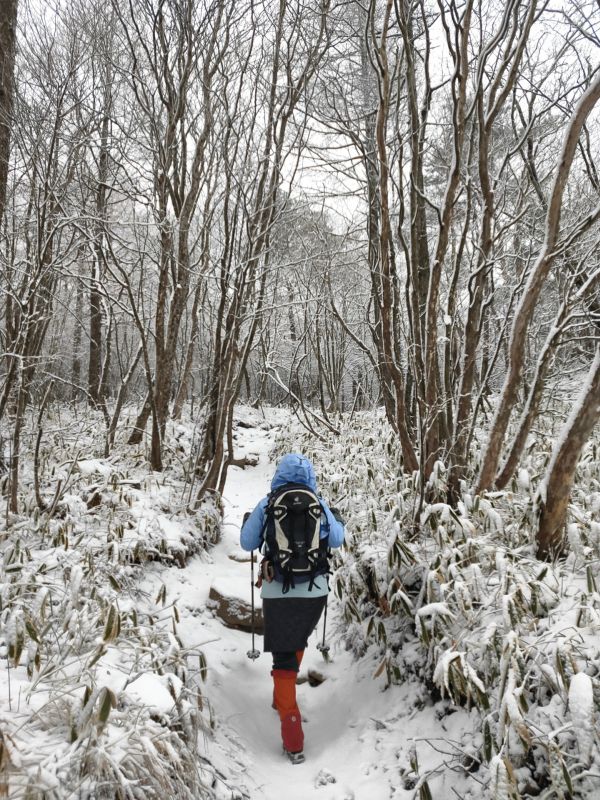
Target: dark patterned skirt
289	621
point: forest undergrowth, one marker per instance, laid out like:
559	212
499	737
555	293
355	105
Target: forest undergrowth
455	598
101	698
104	700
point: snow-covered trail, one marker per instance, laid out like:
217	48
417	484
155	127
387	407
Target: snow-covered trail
356	742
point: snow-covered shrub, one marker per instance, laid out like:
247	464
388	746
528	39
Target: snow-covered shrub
453	596
102	699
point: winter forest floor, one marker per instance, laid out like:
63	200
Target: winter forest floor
461	667
358	737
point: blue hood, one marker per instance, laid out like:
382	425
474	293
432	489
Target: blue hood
294	468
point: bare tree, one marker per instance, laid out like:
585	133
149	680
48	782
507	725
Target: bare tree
49	161
449	157
172	45
161	219
536	281
299	42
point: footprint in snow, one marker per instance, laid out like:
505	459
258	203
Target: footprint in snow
324	778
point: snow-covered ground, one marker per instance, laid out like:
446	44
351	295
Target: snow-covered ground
461	667
358	736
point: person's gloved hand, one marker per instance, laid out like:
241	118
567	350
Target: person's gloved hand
337	515
245	518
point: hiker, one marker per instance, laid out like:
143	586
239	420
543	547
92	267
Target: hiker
294	527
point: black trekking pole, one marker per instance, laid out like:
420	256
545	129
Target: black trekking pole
253	654
323	646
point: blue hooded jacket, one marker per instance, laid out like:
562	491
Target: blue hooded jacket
293	468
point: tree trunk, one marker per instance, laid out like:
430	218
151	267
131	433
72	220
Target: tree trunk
434	409
553	498
95	350
125	381
186	373
418	263
137	434
16	441
95	360
385	298
77	334
8	31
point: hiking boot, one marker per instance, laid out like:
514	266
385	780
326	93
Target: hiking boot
295	758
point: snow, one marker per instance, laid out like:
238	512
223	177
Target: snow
487	609
581	706
94	466
523	479
358	734
233	587
433	609
154	691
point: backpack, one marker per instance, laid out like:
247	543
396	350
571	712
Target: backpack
293	536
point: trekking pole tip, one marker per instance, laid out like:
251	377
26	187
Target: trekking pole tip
253	654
